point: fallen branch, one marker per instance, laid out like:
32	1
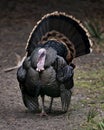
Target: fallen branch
19	63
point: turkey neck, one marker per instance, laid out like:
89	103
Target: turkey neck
41	59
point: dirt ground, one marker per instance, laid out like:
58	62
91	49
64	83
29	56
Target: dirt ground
16	22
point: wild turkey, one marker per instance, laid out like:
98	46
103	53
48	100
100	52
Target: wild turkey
47	69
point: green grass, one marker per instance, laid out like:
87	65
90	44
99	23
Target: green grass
94	121
90	79
90	82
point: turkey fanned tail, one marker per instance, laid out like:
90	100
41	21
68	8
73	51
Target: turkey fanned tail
62	28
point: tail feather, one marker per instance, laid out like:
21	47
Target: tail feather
64	24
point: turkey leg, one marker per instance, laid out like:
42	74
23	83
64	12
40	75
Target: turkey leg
50	107
43	113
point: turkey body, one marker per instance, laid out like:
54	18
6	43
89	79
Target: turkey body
55	79
50	86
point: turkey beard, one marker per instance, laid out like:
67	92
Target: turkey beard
41	59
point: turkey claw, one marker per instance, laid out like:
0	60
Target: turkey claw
43	114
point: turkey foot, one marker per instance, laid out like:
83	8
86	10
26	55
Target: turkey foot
43	113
